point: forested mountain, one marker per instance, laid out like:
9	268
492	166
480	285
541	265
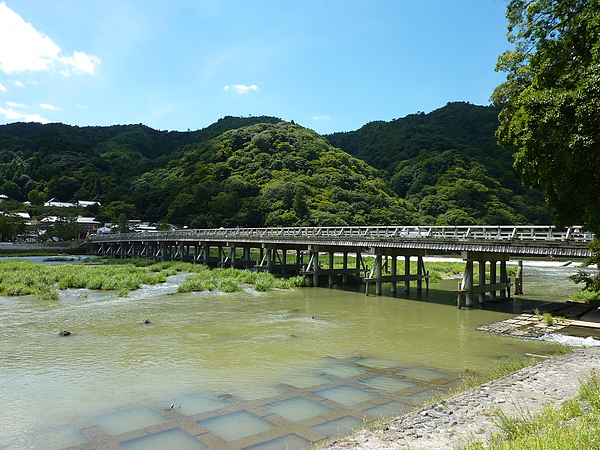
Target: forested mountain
437	168
448	165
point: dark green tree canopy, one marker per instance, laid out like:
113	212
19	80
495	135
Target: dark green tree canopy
444	167
551	103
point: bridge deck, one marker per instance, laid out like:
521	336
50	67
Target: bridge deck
516	240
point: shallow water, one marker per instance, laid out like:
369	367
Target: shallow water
203	348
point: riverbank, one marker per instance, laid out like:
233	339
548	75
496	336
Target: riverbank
470	414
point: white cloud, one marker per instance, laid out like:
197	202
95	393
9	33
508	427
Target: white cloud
80	63
3	88
241	88
19	84
11	114
15	105
321	117
26	49
47	106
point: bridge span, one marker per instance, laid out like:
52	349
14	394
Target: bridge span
310	251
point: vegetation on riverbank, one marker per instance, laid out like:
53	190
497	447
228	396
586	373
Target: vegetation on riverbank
20	277
232	280
473	378
575	424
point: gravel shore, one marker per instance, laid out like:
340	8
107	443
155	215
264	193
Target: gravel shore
469	415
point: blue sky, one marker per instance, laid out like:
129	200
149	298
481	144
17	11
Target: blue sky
329	65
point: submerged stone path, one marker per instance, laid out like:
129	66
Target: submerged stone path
470	415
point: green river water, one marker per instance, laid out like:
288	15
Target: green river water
215	350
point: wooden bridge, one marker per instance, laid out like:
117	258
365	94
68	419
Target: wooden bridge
310	251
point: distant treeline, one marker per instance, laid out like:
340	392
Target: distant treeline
439	168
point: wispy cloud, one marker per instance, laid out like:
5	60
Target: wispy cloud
241	88
80	63
26	49
49	107
321	117
14	115
15	105
3	88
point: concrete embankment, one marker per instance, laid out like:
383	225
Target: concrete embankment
470	414
17	246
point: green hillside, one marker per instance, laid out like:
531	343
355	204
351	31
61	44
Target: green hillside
439	168
448	165
268	174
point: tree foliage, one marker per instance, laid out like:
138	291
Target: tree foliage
551	103
269	174
442	168
449	166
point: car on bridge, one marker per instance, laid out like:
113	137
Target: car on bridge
414	231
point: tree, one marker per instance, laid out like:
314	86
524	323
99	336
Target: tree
551	103
551	106
36	198
66	229
10	226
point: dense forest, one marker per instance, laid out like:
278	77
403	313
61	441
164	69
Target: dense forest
441	168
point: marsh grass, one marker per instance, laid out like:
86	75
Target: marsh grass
20	277
233	280
575	424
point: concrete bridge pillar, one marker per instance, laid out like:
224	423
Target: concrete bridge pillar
331	263
394	273
407	273
468	283
345	268
493	276
482	277
468	289
382	256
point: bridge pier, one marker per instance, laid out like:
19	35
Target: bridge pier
469	290
383	256
274	258
315	268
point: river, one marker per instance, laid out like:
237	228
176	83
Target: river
278	369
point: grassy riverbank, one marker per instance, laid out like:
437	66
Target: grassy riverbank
20	277
575	424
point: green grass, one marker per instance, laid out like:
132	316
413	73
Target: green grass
231	280
584	296
473	378
21	277
575	424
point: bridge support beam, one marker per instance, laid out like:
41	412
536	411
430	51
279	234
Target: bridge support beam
469	290
381	264
315	267
275	258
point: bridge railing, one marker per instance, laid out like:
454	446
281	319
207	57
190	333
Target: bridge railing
505	233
